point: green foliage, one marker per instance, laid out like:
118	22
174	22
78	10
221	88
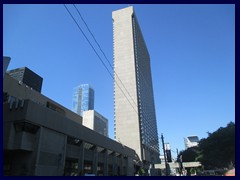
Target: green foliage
218	149
189	155
192	170
215	151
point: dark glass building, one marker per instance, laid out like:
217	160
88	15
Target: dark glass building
28	77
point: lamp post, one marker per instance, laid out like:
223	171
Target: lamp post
179	160
166	165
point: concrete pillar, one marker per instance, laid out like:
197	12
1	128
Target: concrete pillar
121	164
81	159
95	160
105	164
130	166
114	164
39	143
63	158
126	165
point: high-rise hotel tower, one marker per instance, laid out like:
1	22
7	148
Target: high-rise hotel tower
134	110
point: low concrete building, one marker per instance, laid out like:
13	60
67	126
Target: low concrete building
42	138
95	121
14	88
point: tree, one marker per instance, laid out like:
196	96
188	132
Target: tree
218	149
189	155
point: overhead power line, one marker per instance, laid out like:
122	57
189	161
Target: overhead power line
103	53
92	35
97	54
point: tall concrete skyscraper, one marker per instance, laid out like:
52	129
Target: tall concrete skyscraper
83	98
134	109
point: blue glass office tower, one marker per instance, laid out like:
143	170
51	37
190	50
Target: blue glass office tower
83	98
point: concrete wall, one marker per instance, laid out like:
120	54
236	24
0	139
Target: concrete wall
43	138
88	119
46	149
17	89
51	153
95	121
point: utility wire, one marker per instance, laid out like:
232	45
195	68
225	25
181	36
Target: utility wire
97	53
106	59
103	53
92	35
87	39
139	69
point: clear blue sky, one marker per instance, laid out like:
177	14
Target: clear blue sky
192	54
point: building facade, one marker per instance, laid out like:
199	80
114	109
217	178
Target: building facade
191	141
28	77
43	138
134	109
83	99
95	121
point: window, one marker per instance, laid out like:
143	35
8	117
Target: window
25	126
55	108
73	141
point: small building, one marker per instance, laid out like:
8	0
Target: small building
95	121
191	141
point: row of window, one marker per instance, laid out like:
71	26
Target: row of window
26	127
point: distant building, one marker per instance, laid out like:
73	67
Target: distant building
191	141
6	61
162	158
168	152
83	99
95	121
28	77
